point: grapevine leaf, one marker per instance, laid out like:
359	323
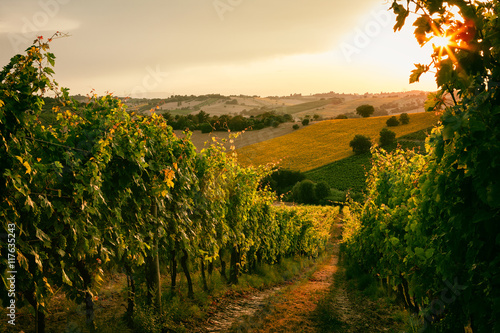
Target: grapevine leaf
417	72
445	73
401	13
423	27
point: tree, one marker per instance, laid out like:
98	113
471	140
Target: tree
305	122
387	137
303	192
296	126
360	144
404	118
322	191
393	121
206	128
365	110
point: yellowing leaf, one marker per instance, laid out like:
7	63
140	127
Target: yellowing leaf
28	167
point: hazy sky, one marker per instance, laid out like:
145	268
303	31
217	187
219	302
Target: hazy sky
261	47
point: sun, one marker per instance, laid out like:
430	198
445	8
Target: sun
441	41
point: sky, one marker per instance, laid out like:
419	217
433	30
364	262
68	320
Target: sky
158	48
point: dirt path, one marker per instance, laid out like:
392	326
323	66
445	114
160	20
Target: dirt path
319	301
294	312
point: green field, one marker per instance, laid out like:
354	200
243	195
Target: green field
349	174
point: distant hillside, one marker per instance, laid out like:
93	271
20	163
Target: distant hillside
326	106
325	142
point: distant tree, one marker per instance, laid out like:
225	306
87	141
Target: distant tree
387	137
393	121
287	117
206	128
202	117
233	102
341	116
296	126
303	192
404	118
305	122
321	190
365	110
316	117
360	144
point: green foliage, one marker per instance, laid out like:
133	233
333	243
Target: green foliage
360	144
295	126
282	181
321	191
206	128
365	110
430	223
387	137
101	187
341	116
305	122
404	118
303	192
392	121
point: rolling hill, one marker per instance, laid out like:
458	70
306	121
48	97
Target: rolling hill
325	142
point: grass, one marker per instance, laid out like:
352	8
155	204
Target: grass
325	142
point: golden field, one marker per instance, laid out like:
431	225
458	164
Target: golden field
325	142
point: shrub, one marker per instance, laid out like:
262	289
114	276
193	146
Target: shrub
404	118
387	137
360	144
393	121
205	128
341	116
305	122
322	190
296	126
282	180
303	192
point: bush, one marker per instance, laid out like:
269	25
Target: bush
296	126
305	122
341	116
393	121
404	118
206	128
282	180
360	144
387	137
322	190
303	192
